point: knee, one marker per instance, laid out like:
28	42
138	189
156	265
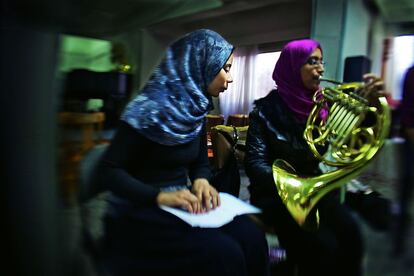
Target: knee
249	233
226	257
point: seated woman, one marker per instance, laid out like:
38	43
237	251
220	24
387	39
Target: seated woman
160	144
276	131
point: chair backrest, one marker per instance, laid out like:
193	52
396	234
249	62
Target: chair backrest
88	184
225	140
238	120
213	120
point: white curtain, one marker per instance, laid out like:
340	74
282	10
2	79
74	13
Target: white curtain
252	79
401	58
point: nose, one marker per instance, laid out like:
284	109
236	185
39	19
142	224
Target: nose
229	78
320	68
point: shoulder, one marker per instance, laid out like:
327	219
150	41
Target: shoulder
268	106
264	102
127	134
267	100
125	128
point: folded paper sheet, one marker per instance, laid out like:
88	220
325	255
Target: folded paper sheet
229	208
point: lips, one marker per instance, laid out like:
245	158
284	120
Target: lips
318	78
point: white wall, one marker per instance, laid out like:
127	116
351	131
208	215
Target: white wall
356	35
327	28
346	28
377	44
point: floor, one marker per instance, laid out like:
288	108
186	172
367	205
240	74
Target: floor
380	257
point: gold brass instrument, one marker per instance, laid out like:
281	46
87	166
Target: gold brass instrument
351	144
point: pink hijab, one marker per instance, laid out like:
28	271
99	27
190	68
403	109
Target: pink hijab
288	79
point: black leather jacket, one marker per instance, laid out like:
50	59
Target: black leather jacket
273	134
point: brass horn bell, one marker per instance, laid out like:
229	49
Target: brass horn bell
354	131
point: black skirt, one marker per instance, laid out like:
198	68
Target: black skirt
155	242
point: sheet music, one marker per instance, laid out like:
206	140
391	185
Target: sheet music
229	208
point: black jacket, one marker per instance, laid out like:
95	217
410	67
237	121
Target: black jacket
273	134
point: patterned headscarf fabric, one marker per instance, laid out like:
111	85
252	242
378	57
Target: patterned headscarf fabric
288	78
171	108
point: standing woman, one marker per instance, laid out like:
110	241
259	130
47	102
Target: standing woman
406	184
276	131
159	157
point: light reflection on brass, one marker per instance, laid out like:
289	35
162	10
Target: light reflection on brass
352	146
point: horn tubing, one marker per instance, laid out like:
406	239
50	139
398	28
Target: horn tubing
330	80
352	147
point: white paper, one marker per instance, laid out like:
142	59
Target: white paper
229	208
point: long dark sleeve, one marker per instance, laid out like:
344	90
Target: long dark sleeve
258	163
200	168
114	173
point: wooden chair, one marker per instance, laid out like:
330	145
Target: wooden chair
213	120
238	120
78	133
225	140
227	158
88	124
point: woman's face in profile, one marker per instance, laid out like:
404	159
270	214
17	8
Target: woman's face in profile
220	82
312	70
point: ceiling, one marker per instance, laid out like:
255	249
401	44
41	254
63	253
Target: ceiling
396	11
100	18
247	22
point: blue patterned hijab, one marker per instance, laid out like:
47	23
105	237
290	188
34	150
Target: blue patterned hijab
171	108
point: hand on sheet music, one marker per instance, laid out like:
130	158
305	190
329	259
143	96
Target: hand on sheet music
202	198
230	207
182	198
206	194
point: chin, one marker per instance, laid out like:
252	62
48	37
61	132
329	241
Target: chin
221	91
314	87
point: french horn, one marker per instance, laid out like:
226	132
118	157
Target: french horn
354	130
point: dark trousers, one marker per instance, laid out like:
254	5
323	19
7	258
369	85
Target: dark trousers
335	248
406	185
158	243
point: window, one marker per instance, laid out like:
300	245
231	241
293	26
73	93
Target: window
252	79
264	67
401	58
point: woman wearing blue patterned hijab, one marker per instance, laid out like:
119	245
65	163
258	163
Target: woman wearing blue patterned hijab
171	108
158	157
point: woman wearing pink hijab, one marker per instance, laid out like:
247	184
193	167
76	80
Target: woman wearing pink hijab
276	132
